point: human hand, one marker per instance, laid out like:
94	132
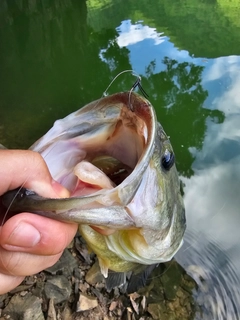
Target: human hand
29	243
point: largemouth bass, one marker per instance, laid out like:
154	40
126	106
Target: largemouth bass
118	164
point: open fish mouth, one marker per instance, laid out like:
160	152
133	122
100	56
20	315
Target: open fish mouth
105	150
102	159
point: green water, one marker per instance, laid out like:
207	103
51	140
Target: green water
55	56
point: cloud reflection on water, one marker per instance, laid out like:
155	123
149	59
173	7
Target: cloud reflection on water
212	194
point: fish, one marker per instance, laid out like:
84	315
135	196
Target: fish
118	164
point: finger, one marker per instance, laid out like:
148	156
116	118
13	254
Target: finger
19	264
9	282
27	168
31	233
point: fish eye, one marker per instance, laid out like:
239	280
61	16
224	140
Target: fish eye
168	160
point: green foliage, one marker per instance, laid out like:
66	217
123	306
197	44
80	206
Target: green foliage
230	9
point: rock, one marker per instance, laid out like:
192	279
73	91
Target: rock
135	305
67	313
82	249
165	296
2	298
157	311
154	291
171	279
94	274
24	308
58	288
113	305
39	287
65	265
86	302
83	287
31	280
188	284
95	302
51	311
21	288
143	303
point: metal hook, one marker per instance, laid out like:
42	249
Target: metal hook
136	84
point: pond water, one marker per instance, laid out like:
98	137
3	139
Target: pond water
58	55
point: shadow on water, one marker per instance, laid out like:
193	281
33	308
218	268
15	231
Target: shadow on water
57	56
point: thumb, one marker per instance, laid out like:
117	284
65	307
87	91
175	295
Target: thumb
27	168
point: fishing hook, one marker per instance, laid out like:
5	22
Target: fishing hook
136	84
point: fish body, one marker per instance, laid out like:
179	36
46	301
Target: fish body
118	164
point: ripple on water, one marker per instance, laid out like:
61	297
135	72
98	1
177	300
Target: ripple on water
218	293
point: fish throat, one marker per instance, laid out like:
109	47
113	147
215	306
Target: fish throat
114	169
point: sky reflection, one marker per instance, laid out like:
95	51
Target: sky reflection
146	45
212	194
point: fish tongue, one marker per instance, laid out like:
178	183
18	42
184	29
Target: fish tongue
89	174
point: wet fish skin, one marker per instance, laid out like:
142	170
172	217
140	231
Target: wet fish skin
145	210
